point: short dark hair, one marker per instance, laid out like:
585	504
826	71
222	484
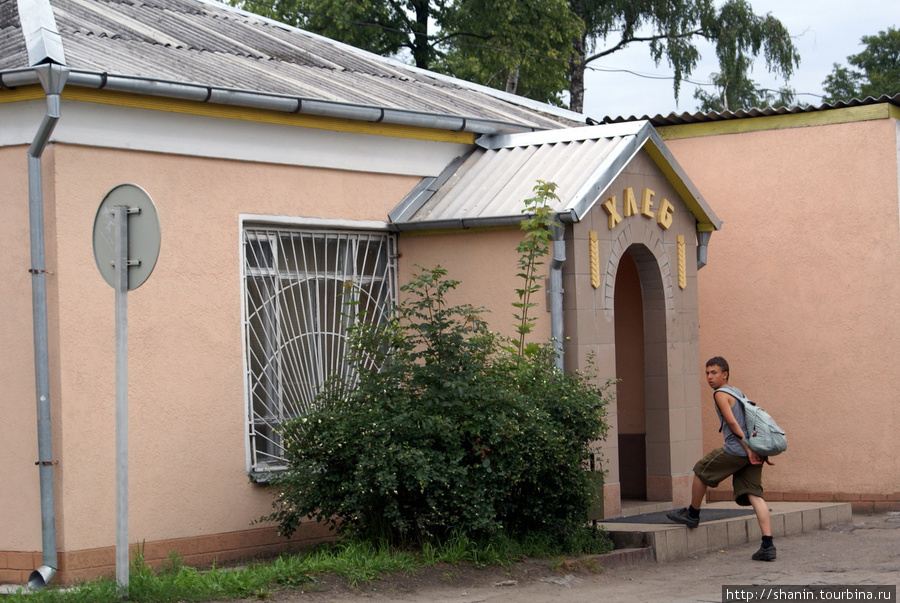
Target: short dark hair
719	362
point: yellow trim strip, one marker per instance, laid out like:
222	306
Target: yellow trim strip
26	93
124	99
778	122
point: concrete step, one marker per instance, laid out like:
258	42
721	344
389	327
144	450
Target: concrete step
670	542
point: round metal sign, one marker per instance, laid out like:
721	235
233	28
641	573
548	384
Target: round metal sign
143	234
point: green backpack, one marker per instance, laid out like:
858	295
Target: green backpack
763	435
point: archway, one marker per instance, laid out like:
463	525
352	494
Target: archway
640	339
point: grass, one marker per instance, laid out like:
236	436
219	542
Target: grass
356	562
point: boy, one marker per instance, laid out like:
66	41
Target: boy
733	459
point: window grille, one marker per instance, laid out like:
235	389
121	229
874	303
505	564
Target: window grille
303	290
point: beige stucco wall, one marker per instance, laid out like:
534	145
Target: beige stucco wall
186	394
19	495
485	263
802	292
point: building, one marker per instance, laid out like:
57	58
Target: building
802	285
286	169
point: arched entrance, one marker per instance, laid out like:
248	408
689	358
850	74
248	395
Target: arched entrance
641	369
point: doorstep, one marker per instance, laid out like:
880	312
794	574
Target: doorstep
670	541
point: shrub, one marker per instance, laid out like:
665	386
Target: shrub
447	428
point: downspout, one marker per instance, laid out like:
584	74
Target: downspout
702	246
53	79
555	292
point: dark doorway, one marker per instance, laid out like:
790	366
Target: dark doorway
630	391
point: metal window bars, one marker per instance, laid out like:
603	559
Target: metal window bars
303	290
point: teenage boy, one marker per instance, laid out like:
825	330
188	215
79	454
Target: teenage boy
733	459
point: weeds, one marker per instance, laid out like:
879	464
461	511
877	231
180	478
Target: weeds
355	561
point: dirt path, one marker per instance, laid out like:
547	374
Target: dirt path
866	552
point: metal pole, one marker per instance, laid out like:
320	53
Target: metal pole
121	260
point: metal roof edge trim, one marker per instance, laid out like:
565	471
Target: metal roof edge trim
504	141
645	138
606	172
423	191
675	174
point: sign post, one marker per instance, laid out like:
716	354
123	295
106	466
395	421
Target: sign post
126	247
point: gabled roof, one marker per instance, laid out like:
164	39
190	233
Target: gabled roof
488	186
209	51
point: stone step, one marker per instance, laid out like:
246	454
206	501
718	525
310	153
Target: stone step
670	542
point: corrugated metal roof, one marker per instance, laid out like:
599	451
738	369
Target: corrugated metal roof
675	119
491	183
212	44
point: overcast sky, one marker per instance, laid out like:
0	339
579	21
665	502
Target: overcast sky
825	32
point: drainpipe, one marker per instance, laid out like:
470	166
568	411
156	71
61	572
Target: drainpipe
555	291
702	246
53	79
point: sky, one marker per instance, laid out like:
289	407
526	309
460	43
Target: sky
825	32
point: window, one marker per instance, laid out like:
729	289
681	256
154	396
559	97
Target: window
303	289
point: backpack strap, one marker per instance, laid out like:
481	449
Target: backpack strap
731	391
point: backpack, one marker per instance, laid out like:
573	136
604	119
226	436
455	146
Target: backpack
764	436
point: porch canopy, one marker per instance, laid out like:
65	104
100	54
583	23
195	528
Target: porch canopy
488	186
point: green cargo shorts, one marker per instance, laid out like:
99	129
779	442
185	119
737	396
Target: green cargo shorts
746	477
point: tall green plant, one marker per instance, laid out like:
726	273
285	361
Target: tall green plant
532	250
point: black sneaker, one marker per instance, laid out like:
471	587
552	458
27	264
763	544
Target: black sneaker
682	516
764	554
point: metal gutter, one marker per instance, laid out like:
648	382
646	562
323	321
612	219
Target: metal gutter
459	223
271	102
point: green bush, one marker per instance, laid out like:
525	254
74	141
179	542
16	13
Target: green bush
444	431
447	428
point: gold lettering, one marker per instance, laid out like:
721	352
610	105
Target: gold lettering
610	207
664	215
629	203
646	203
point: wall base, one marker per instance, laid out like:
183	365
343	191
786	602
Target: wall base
200	551
861	503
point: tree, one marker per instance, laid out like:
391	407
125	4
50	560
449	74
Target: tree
671	27
520	46
541	48
880	70
743	94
